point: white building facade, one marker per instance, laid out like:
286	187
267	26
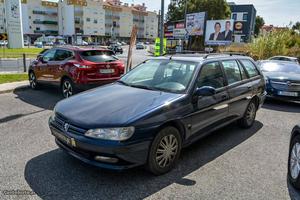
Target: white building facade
93	20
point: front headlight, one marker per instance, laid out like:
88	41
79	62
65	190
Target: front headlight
52	117
116	134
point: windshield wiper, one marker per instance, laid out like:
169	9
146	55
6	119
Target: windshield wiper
143	87
122	82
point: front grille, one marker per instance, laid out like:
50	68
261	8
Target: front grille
59	123
286	86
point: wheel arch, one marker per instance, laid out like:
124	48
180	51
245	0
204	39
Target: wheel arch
176	124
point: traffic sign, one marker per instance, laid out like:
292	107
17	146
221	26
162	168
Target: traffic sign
3	36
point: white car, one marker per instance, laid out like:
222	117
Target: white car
285	58
3	42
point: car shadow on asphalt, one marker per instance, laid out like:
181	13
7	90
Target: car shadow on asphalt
45	98
56	175
282	106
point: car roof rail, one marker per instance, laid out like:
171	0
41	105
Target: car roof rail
225	54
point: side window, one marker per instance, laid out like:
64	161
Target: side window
250	68
232	71
49	55
61	55
211	75
243	72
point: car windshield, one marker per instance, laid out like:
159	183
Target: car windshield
280	67
164	75
98	56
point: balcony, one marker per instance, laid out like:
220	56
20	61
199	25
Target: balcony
41	12
47	32
45	22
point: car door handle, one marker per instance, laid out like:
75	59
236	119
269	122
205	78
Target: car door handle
224	97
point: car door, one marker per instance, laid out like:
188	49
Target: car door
239	87
209	111
43	74
55	66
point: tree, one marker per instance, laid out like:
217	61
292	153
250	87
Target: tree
259	22
296	26
216	9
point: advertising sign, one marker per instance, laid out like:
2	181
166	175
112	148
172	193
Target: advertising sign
14	23
195	23
239	27
179	31
219	32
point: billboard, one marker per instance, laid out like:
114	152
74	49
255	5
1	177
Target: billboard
195	23
219	32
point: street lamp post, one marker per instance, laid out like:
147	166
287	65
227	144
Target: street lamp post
162	13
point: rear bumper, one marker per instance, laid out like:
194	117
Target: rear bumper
86	149
262	98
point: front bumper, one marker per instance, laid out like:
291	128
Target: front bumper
273	93
86	149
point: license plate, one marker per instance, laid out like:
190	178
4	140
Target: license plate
290	94
107	71
64	139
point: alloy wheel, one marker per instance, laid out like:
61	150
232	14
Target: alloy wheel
32	80
166	151
295	161
250	114
67	89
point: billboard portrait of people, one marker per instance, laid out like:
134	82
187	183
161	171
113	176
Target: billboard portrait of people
219	32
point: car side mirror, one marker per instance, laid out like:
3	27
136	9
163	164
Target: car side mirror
205	91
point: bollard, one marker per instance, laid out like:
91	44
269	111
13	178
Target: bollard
24	61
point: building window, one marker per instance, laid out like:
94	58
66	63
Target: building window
234	16
95	21
30	27
88	19
38	28
29	17
245	17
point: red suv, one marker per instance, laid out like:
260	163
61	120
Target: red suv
74	69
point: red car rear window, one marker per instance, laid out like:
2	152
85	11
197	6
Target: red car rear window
98	56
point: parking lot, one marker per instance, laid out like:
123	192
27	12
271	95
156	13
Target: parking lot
232	163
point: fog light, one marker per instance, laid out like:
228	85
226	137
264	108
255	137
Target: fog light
106	159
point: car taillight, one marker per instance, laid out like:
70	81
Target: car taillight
121	67
82	66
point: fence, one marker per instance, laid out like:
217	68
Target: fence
16	62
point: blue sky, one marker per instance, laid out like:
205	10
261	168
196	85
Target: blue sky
276	12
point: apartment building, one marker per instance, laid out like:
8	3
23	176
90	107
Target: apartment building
81	18
39	18
92	20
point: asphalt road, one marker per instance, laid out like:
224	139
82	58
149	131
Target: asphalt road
231	163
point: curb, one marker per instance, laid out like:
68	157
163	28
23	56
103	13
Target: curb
20	88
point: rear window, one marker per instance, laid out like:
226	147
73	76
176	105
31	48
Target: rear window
98	56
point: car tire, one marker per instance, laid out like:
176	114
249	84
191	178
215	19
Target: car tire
164	151
249	117
67	88
33	81
294	162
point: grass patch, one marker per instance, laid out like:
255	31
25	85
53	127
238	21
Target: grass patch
18	53
8	78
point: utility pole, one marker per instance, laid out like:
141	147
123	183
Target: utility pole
162	13
185	13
